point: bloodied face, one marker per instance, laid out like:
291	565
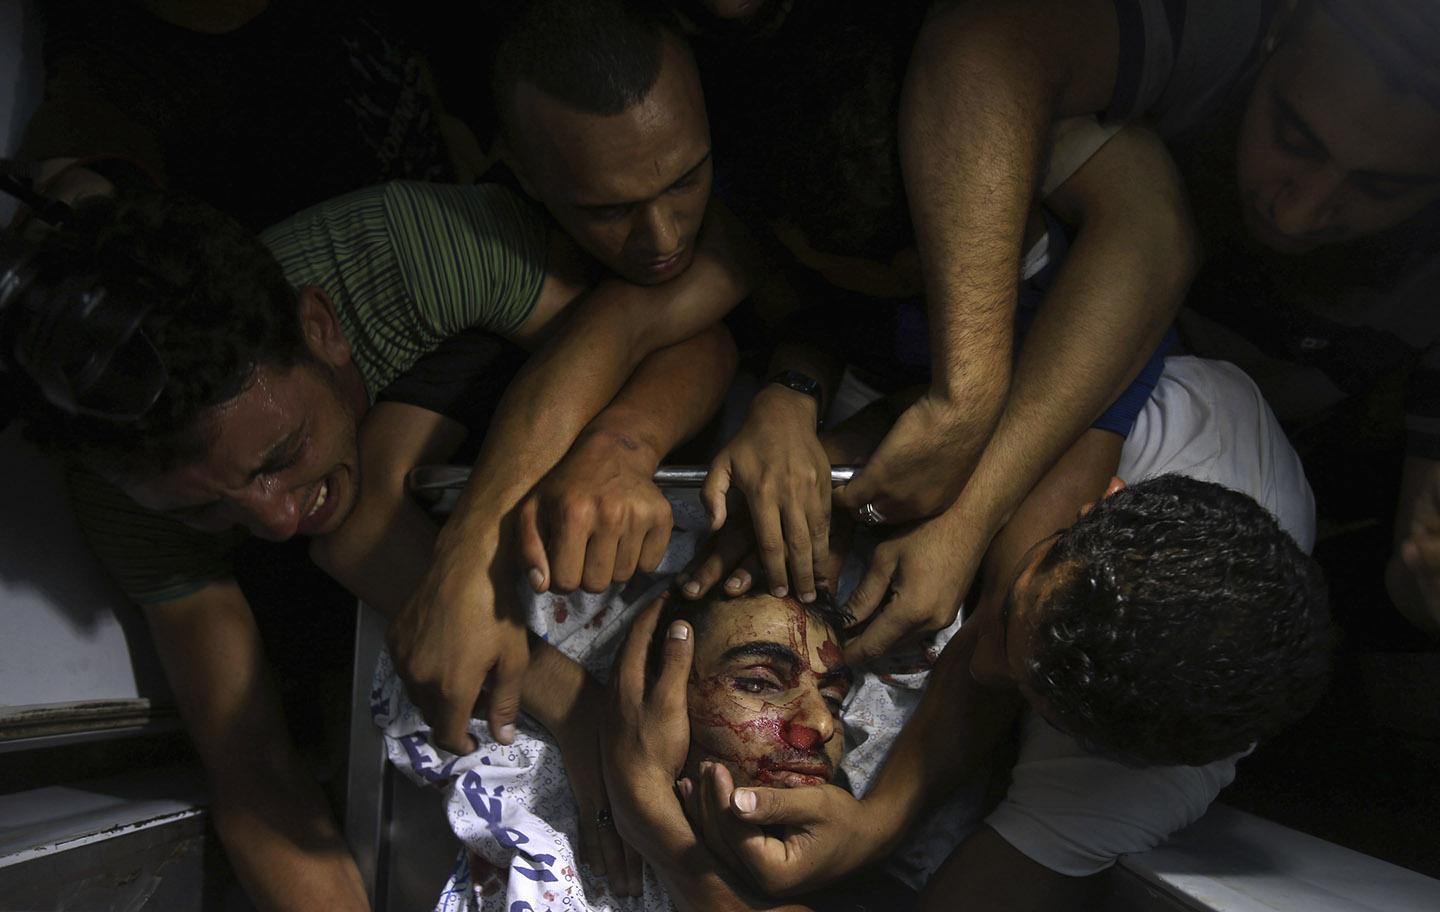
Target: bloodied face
765	693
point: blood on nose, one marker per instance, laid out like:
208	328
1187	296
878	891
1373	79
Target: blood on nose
800	737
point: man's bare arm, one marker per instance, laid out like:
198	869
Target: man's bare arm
994	876
1117	292
986	80
271	815
439	639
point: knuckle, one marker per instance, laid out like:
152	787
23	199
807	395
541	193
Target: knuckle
577	509
612	512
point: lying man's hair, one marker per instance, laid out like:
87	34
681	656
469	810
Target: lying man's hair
597	56
1186	625
217	306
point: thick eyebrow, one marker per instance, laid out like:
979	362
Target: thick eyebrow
277	455
762	649
689	173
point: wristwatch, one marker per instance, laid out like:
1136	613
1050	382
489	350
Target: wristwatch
803	383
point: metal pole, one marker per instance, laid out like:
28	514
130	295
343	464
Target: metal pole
430	482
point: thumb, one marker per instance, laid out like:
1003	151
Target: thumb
765	806
532	546
670	687
713	491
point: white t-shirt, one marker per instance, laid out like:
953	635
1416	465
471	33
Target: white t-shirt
1073	811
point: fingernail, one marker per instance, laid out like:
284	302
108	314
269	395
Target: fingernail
692	588
807	597
507	732
679	631
733	583
744	800
537	579
780	592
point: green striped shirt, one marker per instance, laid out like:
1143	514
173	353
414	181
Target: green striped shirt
406	265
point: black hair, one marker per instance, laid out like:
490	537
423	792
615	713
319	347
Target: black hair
217	306
697	613
597	56
826	160
1184	625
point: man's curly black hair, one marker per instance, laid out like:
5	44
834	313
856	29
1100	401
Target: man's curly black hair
219	306
1185	625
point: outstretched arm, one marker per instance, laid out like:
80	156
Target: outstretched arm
986	80
267	807
1118	291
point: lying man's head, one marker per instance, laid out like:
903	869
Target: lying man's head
603	121
258	401
1174	623
766	687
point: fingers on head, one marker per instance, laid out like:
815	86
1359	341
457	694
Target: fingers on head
630	661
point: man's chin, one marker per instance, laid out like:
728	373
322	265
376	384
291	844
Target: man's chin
788	779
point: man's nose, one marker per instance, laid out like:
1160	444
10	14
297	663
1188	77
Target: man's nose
812	725
660	236
269	511
1309	202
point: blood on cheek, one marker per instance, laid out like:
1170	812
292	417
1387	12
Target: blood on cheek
756	730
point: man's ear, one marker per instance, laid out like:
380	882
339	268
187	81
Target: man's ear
1116	483
505	151
321	328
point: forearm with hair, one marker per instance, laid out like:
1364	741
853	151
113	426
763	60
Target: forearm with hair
970	159
671	396
565	384
1118	291
986	80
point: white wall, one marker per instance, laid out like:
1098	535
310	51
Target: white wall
66	634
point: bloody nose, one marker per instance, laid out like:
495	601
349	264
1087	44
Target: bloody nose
800	737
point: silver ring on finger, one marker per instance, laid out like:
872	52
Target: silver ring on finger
870	516
603	820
